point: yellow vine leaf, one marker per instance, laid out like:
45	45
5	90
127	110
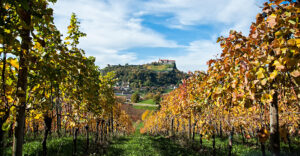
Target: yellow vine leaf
273	74
298	42
283	50
266	98
38	116
37	45
72	124
7	31
266	132
6	6
260	73
145	114
263	82
291	42
5	126
14	63
278	65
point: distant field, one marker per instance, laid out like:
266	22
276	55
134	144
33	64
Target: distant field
149	101
145	107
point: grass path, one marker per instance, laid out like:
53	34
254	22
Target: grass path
145	145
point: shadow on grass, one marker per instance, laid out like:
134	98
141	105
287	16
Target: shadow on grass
116	146
138	144
166	146
55	147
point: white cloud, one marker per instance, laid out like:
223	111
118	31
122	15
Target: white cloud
194	12
229	14
197	54
113	26
104	59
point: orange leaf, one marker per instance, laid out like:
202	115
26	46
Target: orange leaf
295	73
272	20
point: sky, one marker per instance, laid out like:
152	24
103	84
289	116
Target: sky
143	31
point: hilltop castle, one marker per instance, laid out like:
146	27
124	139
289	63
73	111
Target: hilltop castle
164	61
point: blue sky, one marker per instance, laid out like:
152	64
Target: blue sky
142	31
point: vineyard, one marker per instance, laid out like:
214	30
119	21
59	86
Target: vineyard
251	90
48	84
54	97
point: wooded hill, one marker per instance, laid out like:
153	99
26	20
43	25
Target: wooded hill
147	75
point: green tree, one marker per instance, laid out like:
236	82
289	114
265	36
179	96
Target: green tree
157	99
135	97
28	15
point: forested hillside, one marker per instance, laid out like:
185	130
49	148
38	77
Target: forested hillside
150	75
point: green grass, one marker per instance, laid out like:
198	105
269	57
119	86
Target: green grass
149	101
222	147
145	145
55	147
142	144
239	149
146	107
138	144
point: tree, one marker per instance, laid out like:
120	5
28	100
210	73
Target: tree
28	12
135	97
156	98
